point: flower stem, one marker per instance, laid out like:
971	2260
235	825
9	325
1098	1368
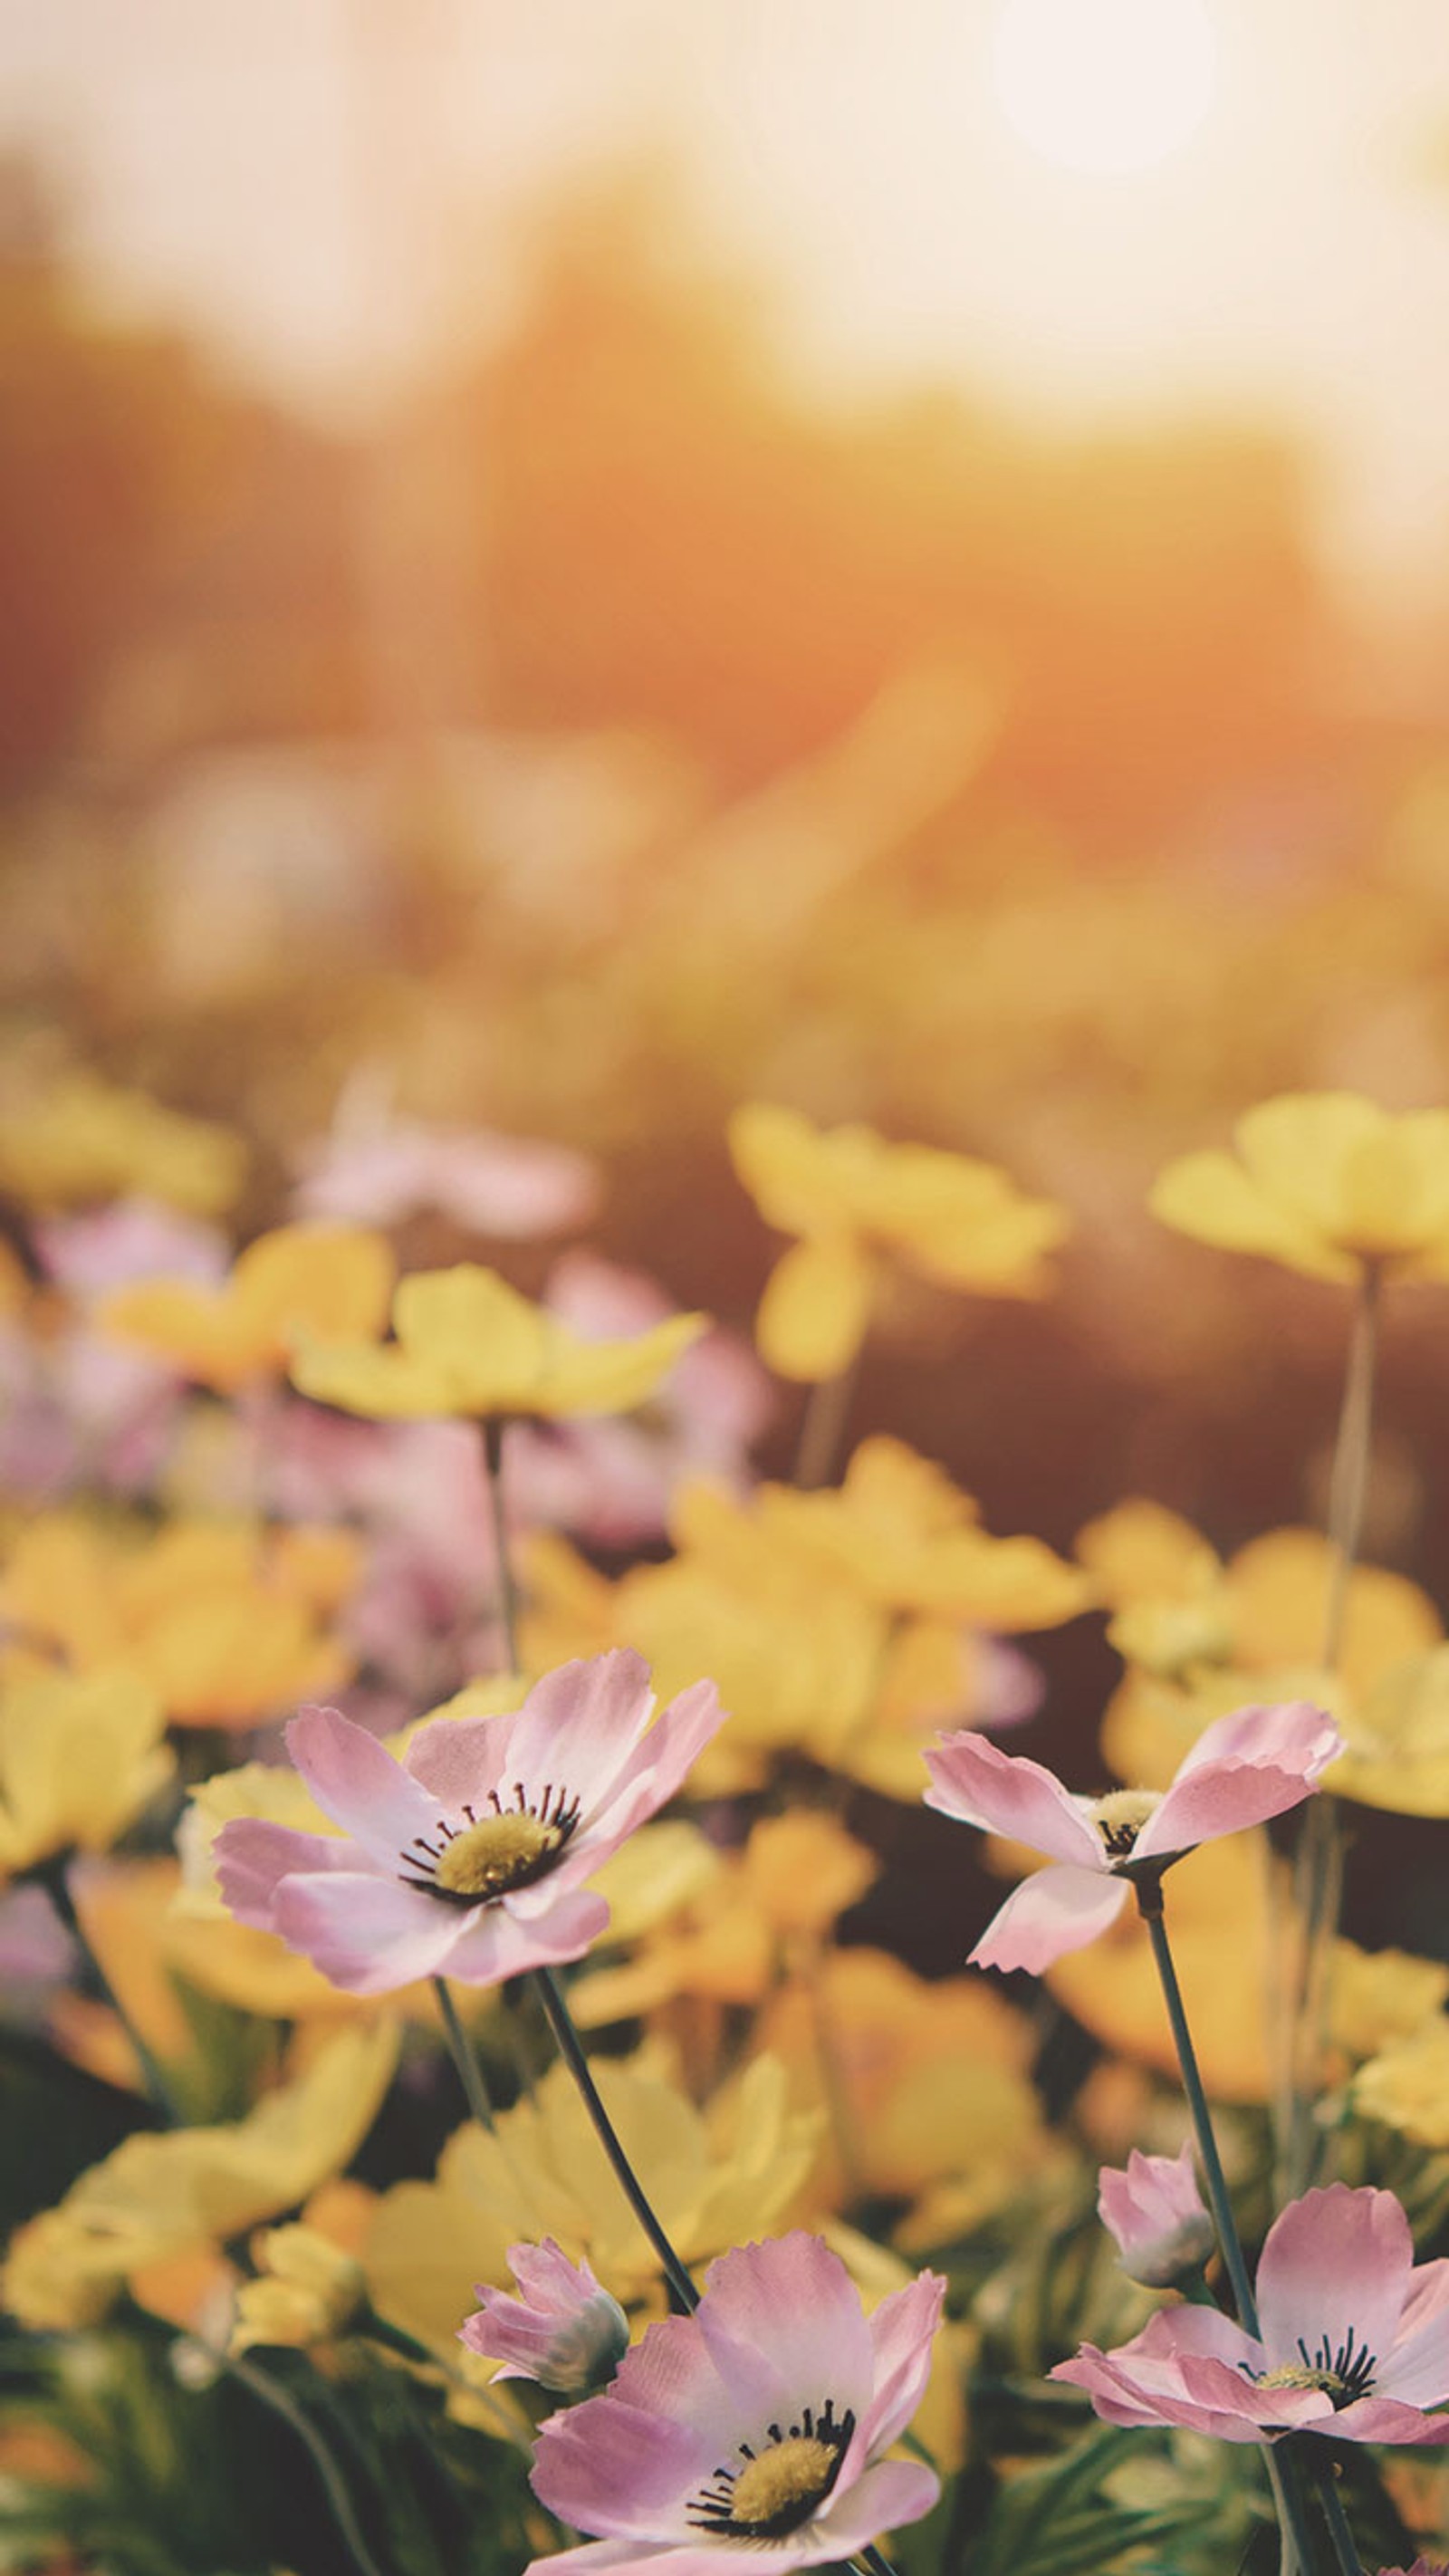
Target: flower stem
1318	1869
493	1429
271	2393
1321	2472
570	2049
53	1876
1287	2499
465	2057
822	1428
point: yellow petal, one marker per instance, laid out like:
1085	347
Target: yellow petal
1211	1198
1298	1150
816	1308
473	1330
613	1377
802	1180
80	1756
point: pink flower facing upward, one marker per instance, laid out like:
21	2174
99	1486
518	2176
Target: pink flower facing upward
1155	2211
466	1859
1354	2338
1242	1770
754	2429
565	2331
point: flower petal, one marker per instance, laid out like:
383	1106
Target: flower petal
1211	1198
505	1943
902	2331
1007	1794
815	1311
356	1782
883	2498
252	1857
579	1724
1246	1767
625	2471
1059	1909
367	1934
785	2328
1335	2263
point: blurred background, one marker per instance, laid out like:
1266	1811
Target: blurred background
567	566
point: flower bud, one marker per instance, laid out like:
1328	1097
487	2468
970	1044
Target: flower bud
565	2330
1155	2211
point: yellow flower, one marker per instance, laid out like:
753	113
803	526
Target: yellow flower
1325	1183
1407	2087
308	2289
1398	1740
83	1139
1379	1997
467	1343
851	1197
301	1281
715	2177
80	1756
221	1622
160	2194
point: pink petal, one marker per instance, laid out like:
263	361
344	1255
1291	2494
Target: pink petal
902	2330
1336	2261
498	1944
1058	1910
1385	2419
459	1759
1006	1794
366	1934
886	2497
657	1767
579	1724
623	2471
1243	1769
784	2327
356	1782
1417	2366
252	1857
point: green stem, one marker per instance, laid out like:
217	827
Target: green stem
53	1876
1326	2486
570	2049
270	2393
465	2057
822	1428
493	1430
1287	2500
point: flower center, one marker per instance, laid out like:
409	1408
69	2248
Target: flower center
477	1862
1342	2375
779	2488
1120	1817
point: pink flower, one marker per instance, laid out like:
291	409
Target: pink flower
1242	1770
754	2429
1155	2211
391	1169
565	2332
467	1859
1354	2340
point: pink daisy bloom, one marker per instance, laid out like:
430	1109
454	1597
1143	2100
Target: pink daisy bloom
1155	2211
468	1858
1245	1768
564	2331
1354	2338
754	2429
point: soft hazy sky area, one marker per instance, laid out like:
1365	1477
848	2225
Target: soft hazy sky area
325	187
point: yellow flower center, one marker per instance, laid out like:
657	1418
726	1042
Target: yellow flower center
1120	1817
478	1862
1342	2375
1296	2374
778	2488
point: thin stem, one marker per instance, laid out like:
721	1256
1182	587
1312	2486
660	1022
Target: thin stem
465	2057
570	2049
53	1876
822	1428
1287	2501
271	2393
493	1430
1319	1867
1326	2488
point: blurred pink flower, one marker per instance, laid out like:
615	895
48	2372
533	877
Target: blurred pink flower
1243	1769
109	1247
754	2429
468	1858
1155	2211
564	2331
1354	2340
486	1183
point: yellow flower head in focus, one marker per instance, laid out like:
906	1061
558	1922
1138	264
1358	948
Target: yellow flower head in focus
224	1622
163	2193
716	2177
1325	1183
850	1198
466	1343
84	1140
80	1756
303	1281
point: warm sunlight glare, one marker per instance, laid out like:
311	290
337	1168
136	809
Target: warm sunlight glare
1105	86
